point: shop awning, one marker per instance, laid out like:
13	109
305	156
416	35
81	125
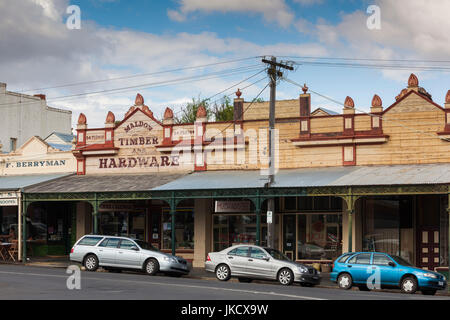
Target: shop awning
315	177
105	183
20	182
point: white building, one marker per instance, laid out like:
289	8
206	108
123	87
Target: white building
24	116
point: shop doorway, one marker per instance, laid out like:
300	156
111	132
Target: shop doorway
312	237
428	247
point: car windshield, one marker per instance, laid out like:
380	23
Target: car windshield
277	254
401	261
145	245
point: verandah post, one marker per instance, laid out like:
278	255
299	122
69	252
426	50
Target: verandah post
173	209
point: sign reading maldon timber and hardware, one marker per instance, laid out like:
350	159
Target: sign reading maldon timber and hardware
136	140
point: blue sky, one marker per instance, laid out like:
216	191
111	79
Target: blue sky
125	37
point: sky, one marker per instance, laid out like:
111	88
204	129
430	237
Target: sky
135	39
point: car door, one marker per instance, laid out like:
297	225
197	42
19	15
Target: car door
359	267
237	260
107	251
258	264
387	269
128	255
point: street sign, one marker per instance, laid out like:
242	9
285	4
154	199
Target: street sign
269	216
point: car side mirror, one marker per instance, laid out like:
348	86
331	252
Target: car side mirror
391	264
135	248
266	258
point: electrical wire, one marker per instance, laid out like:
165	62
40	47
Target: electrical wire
148	85
141	75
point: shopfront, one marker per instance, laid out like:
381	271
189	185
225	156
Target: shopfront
312	228
9	201
51	228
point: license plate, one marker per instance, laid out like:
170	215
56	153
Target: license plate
315	278
441	283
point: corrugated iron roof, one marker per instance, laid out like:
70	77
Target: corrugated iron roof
105	183
19	182
315	177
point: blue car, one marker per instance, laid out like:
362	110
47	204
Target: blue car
374	270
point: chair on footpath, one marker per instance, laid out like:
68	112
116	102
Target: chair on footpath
13	251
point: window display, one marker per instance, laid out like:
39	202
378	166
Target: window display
184	229
127	224
232	229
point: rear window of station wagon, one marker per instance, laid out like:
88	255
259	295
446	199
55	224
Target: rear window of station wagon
89	241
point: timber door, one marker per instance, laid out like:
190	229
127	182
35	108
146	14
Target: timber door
428	248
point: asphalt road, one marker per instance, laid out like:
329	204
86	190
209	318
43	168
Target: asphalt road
24	283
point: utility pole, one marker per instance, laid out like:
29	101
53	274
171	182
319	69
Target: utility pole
274	73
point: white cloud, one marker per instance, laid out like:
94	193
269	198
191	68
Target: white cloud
272	10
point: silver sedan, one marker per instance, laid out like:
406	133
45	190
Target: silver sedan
248	262
117	253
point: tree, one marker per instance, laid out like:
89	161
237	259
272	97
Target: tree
224	111
189	112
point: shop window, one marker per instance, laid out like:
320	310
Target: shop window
184	229
125	224
319	236
8	220
381	226
232	229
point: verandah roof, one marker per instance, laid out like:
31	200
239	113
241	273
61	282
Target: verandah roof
19	182
315	177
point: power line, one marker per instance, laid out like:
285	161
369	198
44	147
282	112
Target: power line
370	114
246	109
375	66
140	75
367	59
148	85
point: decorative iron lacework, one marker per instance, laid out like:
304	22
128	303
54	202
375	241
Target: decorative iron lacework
251	194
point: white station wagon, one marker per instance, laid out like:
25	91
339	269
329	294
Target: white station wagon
117	253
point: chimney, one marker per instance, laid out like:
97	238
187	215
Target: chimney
305	113
238	107
2	87
447	100
305	102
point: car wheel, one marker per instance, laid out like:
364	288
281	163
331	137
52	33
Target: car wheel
245	280
223	272
409	285
345	281
91	262
151	267
430	292
285	277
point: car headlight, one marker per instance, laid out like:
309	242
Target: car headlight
170	259
302	269
430	275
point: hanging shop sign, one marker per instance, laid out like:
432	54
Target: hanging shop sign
9	198
232	206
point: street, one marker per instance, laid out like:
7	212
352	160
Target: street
25	283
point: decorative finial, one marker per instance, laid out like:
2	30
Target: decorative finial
201	111
110	118
376	101
168	114
305	88
82	119
139	100
413	81
238	93
349	103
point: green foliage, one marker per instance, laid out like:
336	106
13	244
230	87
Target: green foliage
223	111
189	112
